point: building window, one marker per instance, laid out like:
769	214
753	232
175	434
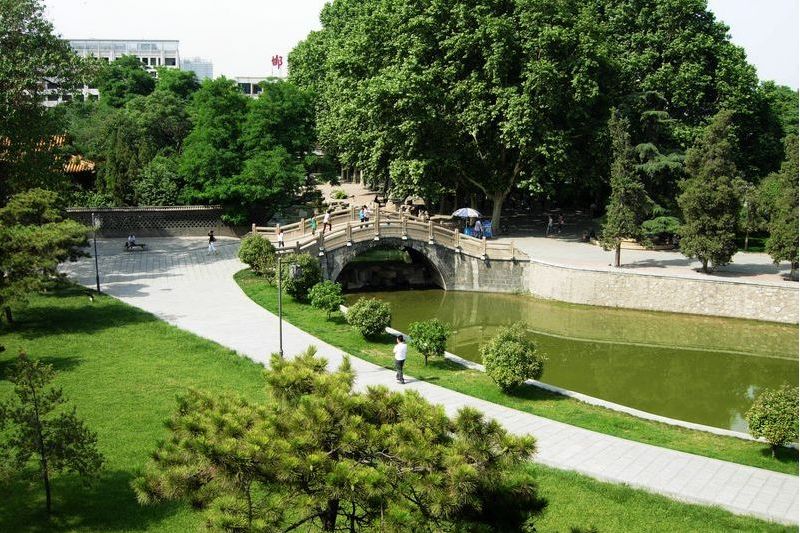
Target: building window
66	97
144	60
52	98
169	61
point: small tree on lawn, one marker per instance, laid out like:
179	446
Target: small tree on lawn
300	273
774	416
709	199
259	254
629	203
327	296
38	431
511	358
370	316
429	338
782	244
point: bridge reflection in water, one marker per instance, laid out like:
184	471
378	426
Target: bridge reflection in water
701	369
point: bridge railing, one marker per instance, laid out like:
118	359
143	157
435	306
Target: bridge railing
346	230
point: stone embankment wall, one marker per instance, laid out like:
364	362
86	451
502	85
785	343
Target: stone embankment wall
757	301
171	221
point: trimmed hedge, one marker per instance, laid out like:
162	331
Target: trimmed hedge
370	316
511	358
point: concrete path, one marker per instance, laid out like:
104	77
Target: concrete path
177	281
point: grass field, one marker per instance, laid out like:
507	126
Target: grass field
529	399
122	368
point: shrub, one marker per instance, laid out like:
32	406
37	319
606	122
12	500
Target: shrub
429	338
511	358
774	416
300	273
338	194
326	296
259	254
370	316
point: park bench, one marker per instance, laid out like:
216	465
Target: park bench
139	245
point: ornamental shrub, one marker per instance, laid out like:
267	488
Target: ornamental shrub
429	338
327	296
259	254
370	316
300	273
510	357
338	194
774	416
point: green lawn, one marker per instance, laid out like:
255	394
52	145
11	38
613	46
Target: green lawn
530	399
122	368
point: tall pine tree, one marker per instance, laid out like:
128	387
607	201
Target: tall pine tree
709	200
783	234
629	203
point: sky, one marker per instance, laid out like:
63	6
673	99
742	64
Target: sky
241	36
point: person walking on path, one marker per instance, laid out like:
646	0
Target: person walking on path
326	222
549	229
280	238
211	240
313	225
560	223
400	351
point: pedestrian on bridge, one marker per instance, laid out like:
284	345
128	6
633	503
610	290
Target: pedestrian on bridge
280	238
313	225
326	221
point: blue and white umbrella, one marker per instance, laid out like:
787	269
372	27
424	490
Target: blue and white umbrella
466	212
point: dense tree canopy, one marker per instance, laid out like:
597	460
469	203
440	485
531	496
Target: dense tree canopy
122	79
782	244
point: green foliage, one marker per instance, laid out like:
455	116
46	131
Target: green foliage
338	194
30	53
782	244
369	316
259	254
709	200
774	416
359	456
181	83
122	79
40	431
34	238
511	358
429	337
629	204
158	182
783	101
300	272
662	227
326	295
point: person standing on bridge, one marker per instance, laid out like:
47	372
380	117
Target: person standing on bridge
326	221
400	351
280	238
313	225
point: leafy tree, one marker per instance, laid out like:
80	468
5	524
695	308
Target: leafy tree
34	238
369	316
259	254
158	183
320	455
629	204
782	244
773	416
181	83
300	272
429	338
783	101
709	200
122	79
511	357
326	295
41	431
30	55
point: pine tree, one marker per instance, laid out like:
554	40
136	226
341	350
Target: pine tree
629	203
709	200
783	235
41	431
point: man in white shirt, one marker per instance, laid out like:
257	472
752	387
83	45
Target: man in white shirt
326	221
400	350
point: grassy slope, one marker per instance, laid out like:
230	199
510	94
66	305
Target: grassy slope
530	399
122	368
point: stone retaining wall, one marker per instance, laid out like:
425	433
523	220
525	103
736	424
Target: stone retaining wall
758	301
168	221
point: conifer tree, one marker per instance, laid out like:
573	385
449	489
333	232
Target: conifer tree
629	203
709	200
783	234
41	432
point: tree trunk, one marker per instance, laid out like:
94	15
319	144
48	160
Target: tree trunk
329	516
9	316
46	479
617	253
746	239
705	266
497	207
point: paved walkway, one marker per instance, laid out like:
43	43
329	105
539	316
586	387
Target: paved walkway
177	281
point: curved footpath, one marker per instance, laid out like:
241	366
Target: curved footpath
178	282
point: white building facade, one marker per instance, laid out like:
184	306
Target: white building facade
202	68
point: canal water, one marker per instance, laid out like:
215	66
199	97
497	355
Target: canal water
699	369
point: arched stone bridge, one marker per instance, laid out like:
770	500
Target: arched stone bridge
459	262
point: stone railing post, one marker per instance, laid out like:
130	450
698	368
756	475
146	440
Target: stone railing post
377	223
297	246
484	247
430	232
321	243
456	239
511	244
302	226
349	234
277	229
404	226
253	228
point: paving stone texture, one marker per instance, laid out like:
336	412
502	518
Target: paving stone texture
178	281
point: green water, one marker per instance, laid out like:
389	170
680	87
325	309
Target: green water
700	369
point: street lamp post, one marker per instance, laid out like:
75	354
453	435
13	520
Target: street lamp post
95	226
294	273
